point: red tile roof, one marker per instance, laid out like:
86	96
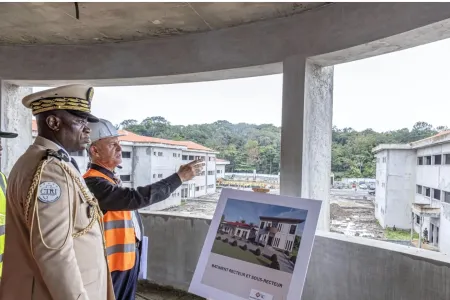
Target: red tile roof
238	224
136	138
438	135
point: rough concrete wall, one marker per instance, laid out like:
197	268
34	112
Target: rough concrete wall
401	188
380	194
341	268
175	244
444	229
14	117
306	133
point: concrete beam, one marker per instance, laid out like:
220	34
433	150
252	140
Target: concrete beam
14	117
409	39
306	133
254	71
330	29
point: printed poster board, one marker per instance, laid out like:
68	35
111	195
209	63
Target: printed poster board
258	247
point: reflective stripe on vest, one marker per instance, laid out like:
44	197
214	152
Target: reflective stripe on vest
2	216
119	234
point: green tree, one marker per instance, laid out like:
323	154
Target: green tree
257	147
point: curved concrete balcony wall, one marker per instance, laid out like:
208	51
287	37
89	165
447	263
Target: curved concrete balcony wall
341	268
336	33
302	47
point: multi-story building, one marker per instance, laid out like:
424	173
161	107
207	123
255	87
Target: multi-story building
147	160
413	187
279	233
220	167
395	177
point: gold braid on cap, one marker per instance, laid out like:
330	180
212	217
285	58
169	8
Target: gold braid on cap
47	104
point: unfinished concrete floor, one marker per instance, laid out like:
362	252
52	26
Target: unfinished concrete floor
150	291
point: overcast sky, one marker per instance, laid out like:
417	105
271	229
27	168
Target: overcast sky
387	92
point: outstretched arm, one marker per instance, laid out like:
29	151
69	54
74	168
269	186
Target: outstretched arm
114	198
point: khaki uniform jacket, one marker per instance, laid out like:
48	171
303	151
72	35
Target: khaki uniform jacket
54	266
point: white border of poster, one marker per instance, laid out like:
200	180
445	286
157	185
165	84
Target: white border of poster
298	275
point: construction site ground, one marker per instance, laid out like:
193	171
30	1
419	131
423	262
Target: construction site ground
351	212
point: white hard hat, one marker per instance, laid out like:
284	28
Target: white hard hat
102	129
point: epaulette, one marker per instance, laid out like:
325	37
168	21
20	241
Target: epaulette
53	153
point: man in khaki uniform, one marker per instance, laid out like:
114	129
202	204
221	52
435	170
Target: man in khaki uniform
54	242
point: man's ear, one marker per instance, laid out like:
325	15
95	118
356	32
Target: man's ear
53	122
93	151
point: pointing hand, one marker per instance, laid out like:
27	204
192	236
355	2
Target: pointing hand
190	170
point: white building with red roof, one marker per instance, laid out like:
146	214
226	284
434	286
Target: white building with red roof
147	160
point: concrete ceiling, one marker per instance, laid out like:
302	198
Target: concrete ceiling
57	23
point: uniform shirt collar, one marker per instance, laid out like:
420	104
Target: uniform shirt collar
46	143
64	150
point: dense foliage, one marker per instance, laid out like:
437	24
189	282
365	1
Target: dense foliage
249	146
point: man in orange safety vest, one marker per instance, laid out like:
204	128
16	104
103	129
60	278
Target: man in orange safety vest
123	226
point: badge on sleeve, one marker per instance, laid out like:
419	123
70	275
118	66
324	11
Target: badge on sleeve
49	192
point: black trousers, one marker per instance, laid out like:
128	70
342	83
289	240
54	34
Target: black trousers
125	282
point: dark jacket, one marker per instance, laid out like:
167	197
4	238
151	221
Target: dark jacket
115	198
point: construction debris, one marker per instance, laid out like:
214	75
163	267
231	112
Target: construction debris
351	213
354	215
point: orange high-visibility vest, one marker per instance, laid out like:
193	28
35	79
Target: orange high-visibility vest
119	234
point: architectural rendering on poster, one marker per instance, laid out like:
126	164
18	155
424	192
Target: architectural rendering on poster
256	246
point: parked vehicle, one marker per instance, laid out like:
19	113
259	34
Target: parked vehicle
363	186
338	185
372	192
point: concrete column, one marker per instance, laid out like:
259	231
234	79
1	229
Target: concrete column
412	227
14	117
306	133
420	232
435	235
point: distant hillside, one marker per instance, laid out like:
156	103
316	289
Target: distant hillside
249	146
